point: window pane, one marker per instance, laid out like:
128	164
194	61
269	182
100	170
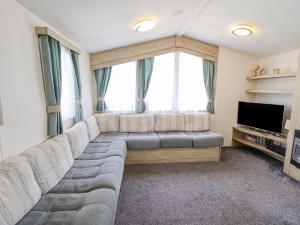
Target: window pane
191	92
120	94
160	92
67	82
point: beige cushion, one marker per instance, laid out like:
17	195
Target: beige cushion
50	161
137	123
92	127
108	122
196	121
78	138
169	122
19	191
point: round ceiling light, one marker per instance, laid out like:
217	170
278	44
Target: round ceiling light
242	30
144	25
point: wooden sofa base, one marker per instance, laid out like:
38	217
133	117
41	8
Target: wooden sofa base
173	155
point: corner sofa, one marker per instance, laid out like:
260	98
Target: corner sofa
75	178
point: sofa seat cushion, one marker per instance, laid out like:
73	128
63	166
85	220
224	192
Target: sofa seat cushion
143	141
175	140
19	191
91	172
50	161
206	139
107	174
95	151
111	136
97	162
93	208
83	182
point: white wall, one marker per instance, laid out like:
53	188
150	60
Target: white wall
288	63
21	84
233	68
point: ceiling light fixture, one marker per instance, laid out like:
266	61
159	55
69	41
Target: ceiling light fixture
242	30
144	25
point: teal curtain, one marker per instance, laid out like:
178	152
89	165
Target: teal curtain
209	73
51	64
143	77
102	80
78	116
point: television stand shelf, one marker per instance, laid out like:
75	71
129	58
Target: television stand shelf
239	135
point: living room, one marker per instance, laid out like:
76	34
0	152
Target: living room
147	112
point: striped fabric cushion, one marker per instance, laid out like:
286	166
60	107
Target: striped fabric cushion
137	123
78	138
92	126
50	161
169	122
196	121
19	191
108	122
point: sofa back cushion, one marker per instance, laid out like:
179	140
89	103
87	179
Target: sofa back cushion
78	138
50	161
19	191
196	121
108	122
137	123
169	122
92	127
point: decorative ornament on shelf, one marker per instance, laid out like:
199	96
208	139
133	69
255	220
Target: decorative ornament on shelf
276	71
258	71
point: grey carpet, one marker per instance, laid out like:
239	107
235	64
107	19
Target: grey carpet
245	188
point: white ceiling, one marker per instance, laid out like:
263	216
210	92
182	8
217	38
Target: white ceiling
104	24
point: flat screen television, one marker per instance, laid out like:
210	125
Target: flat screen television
265	117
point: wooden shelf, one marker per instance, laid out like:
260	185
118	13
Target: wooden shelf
259	147
269	91
272	76
239	133
249	131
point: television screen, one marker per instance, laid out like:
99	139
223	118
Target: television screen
262	116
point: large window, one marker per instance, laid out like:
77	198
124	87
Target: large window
120	94
176	85
67	92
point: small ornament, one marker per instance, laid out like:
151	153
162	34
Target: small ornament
258	71
276	71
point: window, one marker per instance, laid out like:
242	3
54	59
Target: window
120	95
160	92
177	84
191	90
68	92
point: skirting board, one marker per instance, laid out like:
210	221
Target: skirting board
173	155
